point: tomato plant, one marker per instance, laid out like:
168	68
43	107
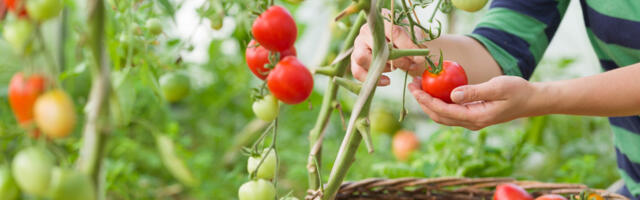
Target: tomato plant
290	81
551	197
23	93
31	169
42	10
8	188
404	144
175	86
469	5
439	80
257	190
55	114
275	29
268	168
257	57
69	184
18	33
511	191
267	108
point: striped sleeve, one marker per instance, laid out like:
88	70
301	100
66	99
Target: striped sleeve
517	32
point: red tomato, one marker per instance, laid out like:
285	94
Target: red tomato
275	29
290	81
23	92
511	191
551	197
16	6
257	56
441	83
404	143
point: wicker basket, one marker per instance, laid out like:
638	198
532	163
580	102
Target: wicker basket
448	188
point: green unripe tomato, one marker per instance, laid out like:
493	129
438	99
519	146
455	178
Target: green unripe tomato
266	108
42	10
71	185
469	5
216	20
267	169
31	169
383	121
175	86
8	188
257	190
154	26
18	34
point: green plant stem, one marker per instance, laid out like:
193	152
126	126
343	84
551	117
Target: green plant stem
433	14
95	127
350	85
327	71
398	53
315	135
351	141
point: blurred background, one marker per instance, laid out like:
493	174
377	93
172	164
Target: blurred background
211	125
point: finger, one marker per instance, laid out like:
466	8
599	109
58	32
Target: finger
361	74
455	112
487	91
361	55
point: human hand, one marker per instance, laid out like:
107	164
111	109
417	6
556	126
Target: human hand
498	100
361	56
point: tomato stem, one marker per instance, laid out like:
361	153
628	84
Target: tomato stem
363	129
350	85
327	71
398	53
435	68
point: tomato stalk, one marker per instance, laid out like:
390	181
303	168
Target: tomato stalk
355	7
328	104
350	85
327	71
95	128
351	141
435	68
398	53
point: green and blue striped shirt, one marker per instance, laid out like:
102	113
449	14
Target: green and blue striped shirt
517	32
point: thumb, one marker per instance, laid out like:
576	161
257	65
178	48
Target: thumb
487	91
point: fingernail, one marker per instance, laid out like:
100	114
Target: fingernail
457	96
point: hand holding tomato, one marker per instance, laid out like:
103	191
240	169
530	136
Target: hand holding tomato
498	100
440	80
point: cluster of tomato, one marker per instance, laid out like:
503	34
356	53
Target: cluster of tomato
39	107
18	32
271	56
511	191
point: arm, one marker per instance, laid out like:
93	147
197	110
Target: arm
613	93
504	98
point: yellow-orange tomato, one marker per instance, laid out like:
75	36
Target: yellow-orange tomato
594	196
404	143
54	114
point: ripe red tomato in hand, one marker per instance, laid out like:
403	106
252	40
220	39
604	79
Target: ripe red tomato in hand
551	197
23	93
275	29
404	143
290	81
257	56
55	114
511	191
440	83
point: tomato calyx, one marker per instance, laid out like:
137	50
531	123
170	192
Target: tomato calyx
435	68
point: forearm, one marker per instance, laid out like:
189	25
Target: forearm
613	93
478	64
